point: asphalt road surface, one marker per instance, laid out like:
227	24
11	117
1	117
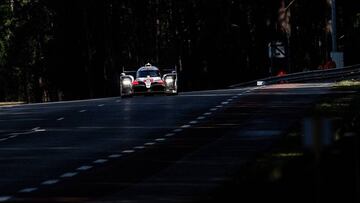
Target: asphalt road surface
143	149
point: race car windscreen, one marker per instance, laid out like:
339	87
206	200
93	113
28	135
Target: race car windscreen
145	73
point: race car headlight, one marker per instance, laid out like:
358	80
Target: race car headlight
126	81
169	80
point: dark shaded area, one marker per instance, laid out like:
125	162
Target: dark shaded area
290	171
302	178
61	50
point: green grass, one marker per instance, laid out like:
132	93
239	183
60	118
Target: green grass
10	103
345	107
340	106
348	85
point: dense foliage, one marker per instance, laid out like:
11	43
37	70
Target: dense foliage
71	49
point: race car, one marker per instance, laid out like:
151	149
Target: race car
148	80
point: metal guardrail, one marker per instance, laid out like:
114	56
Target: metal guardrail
308	76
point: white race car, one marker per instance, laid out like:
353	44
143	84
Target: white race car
148	80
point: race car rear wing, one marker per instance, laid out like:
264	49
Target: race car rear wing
165	70
127	72
170	78
169	70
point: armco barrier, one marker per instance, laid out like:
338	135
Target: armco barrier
308	76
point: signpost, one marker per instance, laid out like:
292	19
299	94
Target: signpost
276	50
338	58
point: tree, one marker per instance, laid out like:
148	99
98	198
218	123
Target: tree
55	50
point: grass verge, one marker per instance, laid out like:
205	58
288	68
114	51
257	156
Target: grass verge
10	103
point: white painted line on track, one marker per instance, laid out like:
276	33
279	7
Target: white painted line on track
234	97
219	106
149	143
193	122
128	151
139	147
60	119
177	130
65	102
68	175
114	156
101	105
160	139
5	198
28	190
213	109
204	95
100	161
229	100
224	103
201	118
169	134
82	111
207	114
84	168
14	135
186	126
50	182
39	130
